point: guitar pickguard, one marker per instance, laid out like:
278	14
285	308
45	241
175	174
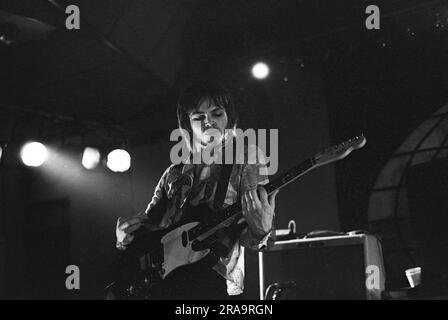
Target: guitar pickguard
177	252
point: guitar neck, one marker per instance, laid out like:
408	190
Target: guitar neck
290	175
329	155
234	211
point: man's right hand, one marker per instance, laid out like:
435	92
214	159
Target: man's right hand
125	227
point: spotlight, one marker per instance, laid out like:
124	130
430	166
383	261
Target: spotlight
90	158
119	160
34	154
1	152
260	70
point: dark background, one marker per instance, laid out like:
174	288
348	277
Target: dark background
117	78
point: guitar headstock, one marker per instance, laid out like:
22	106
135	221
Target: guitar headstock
339	151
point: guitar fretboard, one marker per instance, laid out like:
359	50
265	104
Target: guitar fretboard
233	212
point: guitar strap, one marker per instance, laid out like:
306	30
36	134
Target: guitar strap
219	249
221	189
223	182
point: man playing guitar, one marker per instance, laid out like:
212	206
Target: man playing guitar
200	108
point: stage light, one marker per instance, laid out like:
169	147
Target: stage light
34	154
119	160
90	158
260	70
1	152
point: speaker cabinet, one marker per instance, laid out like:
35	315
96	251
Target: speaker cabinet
326	268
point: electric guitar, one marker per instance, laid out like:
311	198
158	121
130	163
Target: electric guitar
152	256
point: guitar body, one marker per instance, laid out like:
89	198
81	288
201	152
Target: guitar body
154	255
176	252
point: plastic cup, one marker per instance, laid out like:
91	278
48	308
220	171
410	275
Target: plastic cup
414	276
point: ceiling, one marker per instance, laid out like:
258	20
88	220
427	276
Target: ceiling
125	64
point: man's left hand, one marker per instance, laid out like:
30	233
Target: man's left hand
258	211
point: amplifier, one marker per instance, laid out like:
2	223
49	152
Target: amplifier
336	267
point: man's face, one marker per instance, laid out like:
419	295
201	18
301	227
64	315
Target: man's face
208	116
